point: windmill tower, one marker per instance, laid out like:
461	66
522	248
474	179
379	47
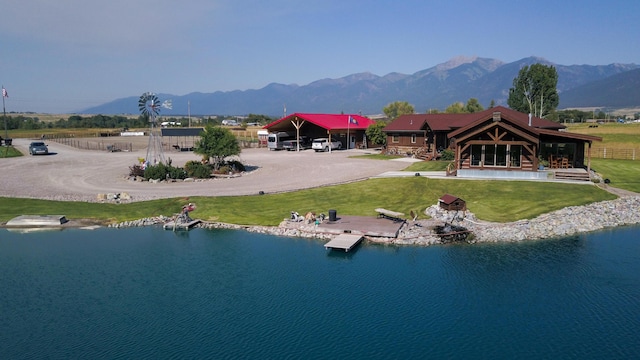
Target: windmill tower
149	106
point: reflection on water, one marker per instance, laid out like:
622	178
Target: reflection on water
152	293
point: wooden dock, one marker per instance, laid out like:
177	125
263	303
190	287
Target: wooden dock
362	225
171	225
344	242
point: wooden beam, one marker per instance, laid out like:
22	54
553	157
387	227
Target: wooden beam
589	159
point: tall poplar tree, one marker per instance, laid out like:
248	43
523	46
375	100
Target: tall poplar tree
534	90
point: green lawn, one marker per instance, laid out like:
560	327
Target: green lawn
501	201
624	174
428	166
9	151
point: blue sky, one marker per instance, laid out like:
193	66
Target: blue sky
67	55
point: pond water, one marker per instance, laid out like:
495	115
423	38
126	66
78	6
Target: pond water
147	293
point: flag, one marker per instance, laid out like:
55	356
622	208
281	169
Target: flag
4	92
352	120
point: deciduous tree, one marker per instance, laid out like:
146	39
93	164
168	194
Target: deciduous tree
395	109
375	134
534	90
473	105
215	144
455	108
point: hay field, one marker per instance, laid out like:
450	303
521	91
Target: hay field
620	141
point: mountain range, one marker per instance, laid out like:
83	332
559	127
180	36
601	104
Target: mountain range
459	79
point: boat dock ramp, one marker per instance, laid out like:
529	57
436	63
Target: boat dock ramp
344	242
351	230
172	225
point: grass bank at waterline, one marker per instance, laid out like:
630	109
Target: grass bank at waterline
623	174
500	201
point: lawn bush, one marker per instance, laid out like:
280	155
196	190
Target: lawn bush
162	171
447	155
196	169
136	170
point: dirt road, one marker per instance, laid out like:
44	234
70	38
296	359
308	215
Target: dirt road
80	175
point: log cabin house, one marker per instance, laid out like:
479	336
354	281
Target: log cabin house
496	139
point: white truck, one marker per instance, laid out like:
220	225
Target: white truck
323	144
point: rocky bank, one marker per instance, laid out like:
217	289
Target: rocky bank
565	222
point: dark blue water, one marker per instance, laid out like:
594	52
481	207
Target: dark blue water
146	293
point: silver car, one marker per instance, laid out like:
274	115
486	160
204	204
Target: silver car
38	148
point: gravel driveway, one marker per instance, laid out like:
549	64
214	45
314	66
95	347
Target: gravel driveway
80	175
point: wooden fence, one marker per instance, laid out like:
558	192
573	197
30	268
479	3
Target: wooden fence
619	154
101	145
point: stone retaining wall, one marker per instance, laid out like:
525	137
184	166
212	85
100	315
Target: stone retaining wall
565	222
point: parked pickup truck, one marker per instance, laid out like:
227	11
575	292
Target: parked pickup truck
323	144
304	143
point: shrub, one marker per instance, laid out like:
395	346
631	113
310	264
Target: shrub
136	170
198	170
162	171
447	155
224	169
236	166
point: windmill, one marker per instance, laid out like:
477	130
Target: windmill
149	106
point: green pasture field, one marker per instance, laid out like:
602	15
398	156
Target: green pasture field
615	136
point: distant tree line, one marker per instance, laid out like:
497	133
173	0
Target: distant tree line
22	122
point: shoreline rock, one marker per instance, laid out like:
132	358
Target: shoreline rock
568	221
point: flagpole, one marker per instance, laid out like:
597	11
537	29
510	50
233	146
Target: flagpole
348	124
4	113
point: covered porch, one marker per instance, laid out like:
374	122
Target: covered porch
561	150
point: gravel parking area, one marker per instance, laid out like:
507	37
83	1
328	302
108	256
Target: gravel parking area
71	174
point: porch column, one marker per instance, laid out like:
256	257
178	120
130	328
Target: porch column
589	159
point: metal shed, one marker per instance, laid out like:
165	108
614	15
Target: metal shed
182	139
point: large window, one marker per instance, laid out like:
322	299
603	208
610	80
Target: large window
476	155
496	155
394	138
489	155
515	156
501	155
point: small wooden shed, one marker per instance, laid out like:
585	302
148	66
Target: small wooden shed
452	203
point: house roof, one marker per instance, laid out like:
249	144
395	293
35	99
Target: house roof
450	122
410	122
449	199
181	131
521	120
327	121
570	135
